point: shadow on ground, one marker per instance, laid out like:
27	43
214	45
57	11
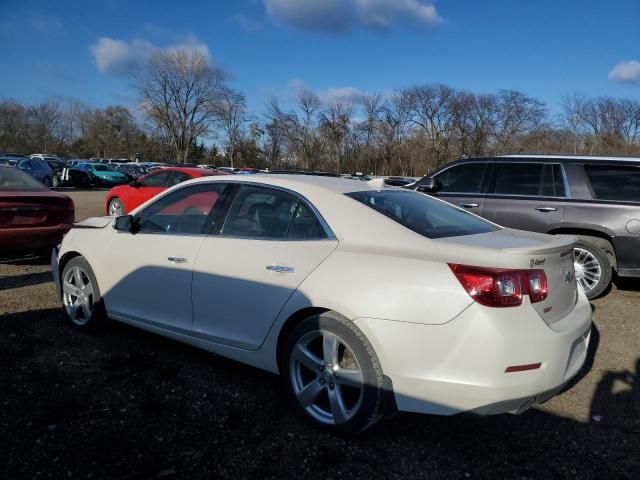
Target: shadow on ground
125	404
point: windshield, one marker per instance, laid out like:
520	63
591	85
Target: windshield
422	214
12	179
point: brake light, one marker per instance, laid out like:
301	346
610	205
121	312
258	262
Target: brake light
497	287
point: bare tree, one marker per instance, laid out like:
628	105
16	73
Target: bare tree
177	90
230	113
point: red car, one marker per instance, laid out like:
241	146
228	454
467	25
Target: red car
124	198
32	217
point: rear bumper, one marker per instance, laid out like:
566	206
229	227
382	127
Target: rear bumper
31	238
460	366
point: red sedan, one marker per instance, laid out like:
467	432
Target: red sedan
125	198
32	217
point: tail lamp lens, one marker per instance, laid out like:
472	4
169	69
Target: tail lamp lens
495	287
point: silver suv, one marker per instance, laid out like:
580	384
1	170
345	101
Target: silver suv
594	198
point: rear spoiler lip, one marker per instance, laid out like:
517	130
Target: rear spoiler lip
559	244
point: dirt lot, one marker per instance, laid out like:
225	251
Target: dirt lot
124	404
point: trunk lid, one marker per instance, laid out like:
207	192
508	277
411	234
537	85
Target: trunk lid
26	210
517	249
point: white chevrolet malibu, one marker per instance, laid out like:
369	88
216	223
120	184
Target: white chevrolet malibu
366	299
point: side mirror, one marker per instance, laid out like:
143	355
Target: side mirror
134	183
123	223
428	185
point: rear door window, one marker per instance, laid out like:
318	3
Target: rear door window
517	179
260	212
613	182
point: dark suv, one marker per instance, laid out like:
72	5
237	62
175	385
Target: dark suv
596	199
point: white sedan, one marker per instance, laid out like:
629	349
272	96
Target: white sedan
367	299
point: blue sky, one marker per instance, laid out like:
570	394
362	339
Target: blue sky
338	48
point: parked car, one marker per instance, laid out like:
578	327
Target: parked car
126	198
31	216
58	166
131	169
38	169
10	160
399	181
440	311
595	198
102	175
229	169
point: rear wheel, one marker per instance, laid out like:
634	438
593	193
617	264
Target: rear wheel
81	295
56	181
593	269
333	374
116	207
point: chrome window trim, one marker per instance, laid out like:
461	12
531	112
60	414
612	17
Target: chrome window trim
325	226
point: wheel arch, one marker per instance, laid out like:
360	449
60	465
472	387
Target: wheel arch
587	232
292	322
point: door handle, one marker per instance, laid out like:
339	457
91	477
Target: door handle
177	259
470	205
546	209
280	269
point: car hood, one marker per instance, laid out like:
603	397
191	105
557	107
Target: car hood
94	222
111	174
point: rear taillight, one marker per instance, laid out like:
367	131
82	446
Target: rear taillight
537	280
497	287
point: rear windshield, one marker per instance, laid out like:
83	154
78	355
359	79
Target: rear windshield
611	182
12	179
423	214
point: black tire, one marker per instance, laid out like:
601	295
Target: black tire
46	181
595	247
116	203
97	316
368	408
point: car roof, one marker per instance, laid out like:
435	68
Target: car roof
301	183
561	158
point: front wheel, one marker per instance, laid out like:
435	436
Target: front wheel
593	269
333	374
116	207
81	295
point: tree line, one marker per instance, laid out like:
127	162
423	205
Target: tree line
187	112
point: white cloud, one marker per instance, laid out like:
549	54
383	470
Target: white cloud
344	15
122	57
627	72
330	95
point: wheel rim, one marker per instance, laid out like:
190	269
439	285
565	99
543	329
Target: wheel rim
588	269
115	209
77	295
326	377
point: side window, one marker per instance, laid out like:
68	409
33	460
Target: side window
552	181
184	211
517	178
176	178
465	178
305	225
156	179
614	182
260	212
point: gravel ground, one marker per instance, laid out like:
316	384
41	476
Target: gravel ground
125	404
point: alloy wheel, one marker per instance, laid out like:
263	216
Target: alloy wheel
77	295
115	209
587	267
326	377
